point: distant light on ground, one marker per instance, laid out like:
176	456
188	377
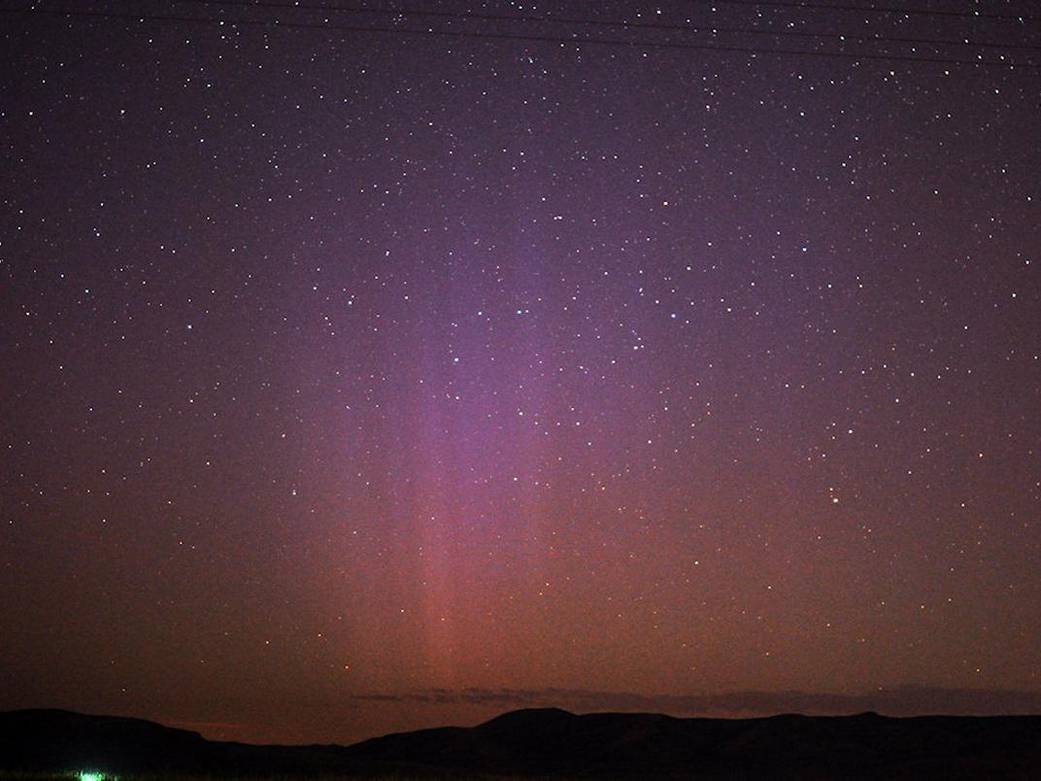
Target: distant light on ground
90	776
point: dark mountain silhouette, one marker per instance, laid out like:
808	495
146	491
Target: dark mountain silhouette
552	742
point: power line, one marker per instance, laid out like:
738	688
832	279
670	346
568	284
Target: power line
881	9
656	26
575	40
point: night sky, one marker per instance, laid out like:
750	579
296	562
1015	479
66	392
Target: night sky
355	381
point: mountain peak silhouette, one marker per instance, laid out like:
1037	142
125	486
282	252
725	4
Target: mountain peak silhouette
550	742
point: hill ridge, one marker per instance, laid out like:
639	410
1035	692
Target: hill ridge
548	742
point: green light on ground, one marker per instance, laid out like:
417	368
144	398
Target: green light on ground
91	777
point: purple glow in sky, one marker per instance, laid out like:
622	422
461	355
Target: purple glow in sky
362	381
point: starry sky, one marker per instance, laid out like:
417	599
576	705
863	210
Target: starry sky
367	371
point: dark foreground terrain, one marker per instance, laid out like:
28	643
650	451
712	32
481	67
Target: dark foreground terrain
548	743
